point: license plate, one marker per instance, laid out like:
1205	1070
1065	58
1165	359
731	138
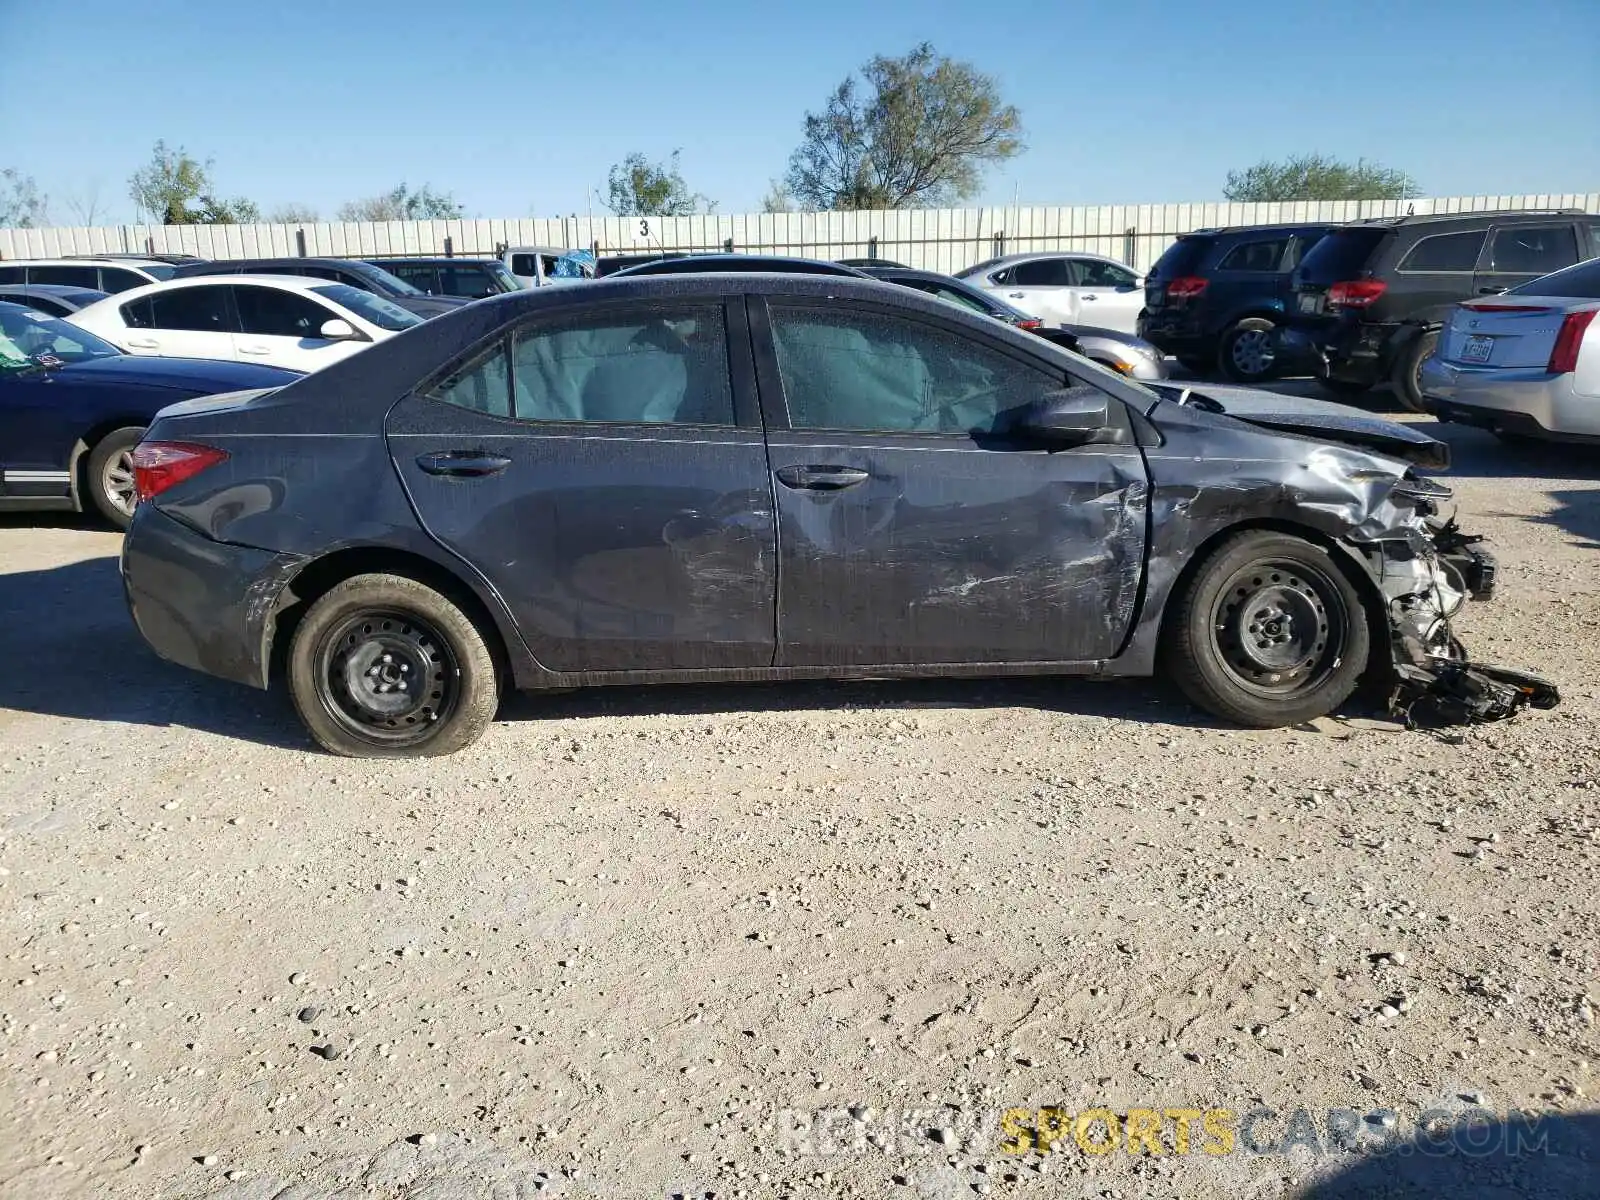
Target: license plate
1478	349
1311	302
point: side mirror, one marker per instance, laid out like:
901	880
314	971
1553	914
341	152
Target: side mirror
1078	416
337	329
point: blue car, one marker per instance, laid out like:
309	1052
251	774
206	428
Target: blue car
72	408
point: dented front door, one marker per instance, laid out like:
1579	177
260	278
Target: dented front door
933	544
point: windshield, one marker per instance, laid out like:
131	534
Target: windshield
1581	282
503	278
29	338
389	283
385	314
1340	256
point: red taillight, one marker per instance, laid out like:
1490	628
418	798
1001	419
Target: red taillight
1356	293
158	466
1489	306
1030	323
1186	287
1564	357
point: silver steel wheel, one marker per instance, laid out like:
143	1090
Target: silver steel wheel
1251	351
116	482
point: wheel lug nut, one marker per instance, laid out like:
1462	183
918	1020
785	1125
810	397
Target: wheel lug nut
387	658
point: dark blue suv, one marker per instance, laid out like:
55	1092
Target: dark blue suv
1217	296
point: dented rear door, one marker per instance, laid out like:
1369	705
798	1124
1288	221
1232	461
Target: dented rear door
909	531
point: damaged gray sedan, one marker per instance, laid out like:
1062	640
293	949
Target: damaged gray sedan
766	477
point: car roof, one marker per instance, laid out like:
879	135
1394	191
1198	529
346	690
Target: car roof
84	260
229	265
66	291
1491	215
441	260
689	264
1007	260
286	283
1274	227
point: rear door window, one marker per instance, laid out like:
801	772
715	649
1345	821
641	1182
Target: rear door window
13	274
423	276
84	277
119	279
1044	272
204	309
1263	255
1444	252
1533	249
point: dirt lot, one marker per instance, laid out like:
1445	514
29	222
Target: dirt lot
801	940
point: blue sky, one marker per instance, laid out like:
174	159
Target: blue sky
519	106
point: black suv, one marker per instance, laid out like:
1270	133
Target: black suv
349	271
1215	299
470	278
1371	297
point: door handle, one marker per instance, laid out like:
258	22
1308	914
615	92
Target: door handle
463	464
254	350
1088	296
1015	295
1491	291
142	344
821	479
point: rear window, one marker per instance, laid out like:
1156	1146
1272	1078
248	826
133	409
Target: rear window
1183	257
1581	282
1533	249
1343	254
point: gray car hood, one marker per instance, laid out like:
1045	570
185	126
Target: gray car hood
1319	419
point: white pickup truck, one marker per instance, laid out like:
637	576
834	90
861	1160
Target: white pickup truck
535	266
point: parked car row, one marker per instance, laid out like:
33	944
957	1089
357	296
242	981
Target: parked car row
1360	304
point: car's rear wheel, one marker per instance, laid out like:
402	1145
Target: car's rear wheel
1267	632
386	667
109	475
1248	353
1408	371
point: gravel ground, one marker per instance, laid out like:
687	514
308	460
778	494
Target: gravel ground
798	940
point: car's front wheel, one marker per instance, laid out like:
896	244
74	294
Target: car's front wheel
109	475
383	666
1267	632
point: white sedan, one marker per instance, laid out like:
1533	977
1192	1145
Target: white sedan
290	321
1064	288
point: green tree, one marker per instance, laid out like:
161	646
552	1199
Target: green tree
1318	177
400	203
22	205
913	131
175	188
637	187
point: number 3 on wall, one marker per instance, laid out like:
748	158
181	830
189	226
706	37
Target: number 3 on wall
642	231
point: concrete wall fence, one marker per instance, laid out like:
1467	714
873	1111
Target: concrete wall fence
937	239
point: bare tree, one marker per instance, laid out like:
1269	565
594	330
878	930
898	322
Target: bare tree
916	130
293	214
402	204
85	205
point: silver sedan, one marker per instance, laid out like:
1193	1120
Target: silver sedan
1526	363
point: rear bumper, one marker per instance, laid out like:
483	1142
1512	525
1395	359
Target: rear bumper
1528	402
1173	334
1346	350
199	603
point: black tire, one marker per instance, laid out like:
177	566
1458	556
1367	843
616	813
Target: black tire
1408	370
356	655
1246	353
1344	389
1269	631
108	476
